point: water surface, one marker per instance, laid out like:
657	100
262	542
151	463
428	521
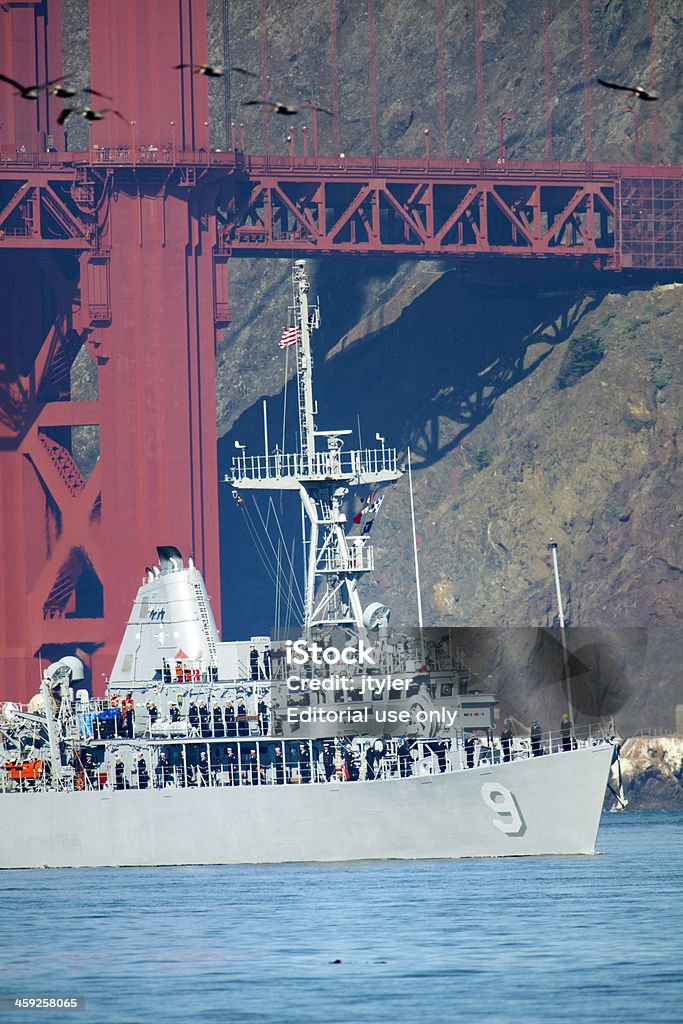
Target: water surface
590	939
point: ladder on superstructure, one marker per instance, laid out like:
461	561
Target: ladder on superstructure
206	622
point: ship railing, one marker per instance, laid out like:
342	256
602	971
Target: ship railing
359	559
267	760
549	742
322	465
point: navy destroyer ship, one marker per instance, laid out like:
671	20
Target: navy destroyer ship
348	740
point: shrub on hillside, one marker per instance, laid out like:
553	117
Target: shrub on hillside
482	459
582	355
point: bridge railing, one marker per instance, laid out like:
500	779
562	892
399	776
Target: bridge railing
169	155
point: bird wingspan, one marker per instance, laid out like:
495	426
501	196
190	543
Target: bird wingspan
94	92
635	90
11	81
274	106
613	85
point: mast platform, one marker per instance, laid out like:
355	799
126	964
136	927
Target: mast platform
287	471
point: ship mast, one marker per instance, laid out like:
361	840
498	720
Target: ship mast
305	324
552	547
334	562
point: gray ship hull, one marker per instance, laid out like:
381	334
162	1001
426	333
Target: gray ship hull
540	806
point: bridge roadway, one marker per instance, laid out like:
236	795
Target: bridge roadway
610	216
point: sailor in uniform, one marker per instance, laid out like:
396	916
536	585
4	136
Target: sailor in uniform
242	723
405	761
441	755
204	726
506	740
566	732
218	724
164	769
143	774
304	763
231	767
230	722
128	709
279	767
153	712
370	758
215	763
350	766
253	662
203	769
470	742
89	768
328	762
536	733
119	774
256	772
262	709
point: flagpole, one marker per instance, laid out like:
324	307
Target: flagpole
417	564
552	547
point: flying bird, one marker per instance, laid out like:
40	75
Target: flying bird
88	113
273	107
314	106
214	72
202	69
65	92
28	92
635	90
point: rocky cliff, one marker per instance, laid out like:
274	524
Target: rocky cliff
652	772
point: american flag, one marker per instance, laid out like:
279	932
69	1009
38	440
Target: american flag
290	336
